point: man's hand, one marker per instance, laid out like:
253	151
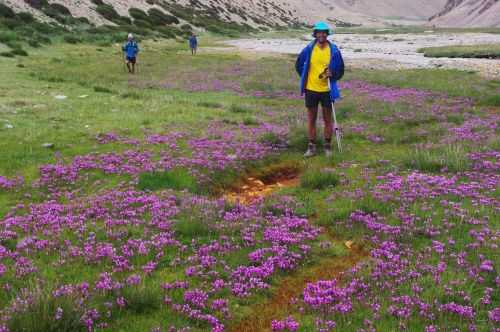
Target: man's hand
325	74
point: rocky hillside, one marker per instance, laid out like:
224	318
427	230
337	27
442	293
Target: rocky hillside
248	14
467	13
198	12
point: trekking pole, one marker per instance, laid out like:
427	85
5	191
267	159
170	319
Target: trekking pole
120	54
337	129
335	124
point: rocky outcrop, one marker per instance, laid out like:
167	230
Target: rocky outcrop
468	13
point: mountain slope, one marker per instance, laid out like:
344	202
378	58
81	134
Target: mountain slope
254	13
469	13
261	13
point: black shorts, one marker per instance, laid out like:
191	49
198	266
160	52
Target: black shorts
313	99
131	60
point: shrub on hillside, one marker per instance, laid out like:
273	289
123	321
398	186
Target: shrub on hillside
59	9
83	20
108	12
34	43
166	32
58	12
138	14
143	24
186	27
6	11
19	51
7	54
44	28
12	23
71	39
158	17
26	17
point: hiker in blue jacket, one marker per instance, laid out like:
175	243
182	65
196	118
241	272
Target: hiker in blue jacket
193	43
131	49
320	66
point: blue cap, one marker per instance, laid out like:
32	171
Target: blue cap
321	26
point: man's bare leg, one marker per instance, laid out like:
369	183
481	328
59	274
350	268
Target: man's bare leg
312	116
327	118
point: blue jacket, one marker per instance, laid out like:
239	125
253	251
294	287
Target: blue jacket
336	67
131	49
193	42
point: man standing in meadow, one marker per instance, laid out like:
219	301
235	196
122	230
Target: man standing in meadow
193	43
320	66
131	49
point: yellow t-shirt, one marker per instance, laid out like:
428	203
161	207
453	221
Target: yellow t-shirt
320	59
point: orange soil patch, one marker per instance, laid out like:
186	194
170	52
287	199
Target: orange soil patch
253	189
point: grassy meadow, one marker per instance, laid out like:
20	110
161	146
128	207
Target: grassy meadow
487	51
112	216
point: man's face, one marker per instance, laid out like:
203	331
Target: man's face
321	36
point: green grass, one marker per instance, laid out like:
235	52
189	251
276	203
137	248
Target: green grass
40	314
239	109
177	179
142	299
450	159
319	179
210	104
102	89
486	51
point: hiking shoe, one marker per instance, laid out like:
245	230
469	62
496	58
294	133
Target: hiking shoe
328	152
311	150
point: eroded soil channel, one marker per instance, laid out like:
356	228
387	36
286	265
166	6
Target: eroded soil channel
256	187
289	288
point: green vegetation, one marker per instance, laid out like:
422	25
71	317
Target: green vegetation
488	51
21	30
319	179
451	159
161	100
177	179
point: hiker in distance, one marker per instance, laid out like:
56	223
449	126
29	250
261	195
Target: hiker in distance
131	49
193	43
320	66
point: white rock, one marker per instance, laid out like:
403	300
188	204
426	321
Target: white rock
9	126
60	97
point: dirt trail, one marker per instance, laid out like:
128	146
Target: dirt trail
280	304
